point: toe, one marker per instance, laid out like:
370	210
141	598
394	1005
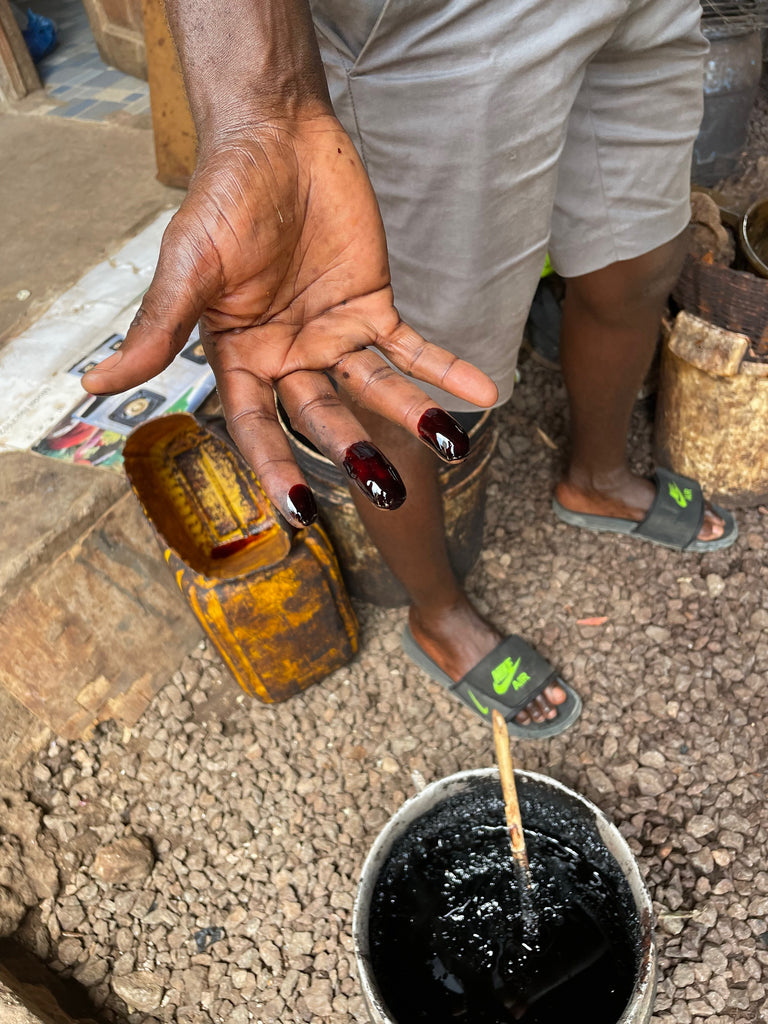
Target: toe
544	707
713	526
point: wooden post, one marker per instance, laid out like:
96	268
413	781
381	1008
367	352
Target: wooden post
18	75
119	35
174	130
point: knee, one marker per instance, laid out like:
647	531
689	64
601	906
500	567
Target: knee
629	289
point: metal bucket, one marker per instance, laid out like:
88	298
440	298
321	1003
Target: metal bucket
463	484
552	797
732	72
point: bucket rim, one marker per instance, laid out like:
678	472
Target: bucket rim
640	1004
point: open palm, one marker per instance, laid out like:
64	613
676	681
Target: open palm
279	251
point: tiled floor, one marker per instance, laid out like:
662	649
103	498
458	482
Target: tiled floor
79	84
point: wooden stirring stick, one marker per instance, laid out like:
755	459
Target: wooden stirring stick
508	788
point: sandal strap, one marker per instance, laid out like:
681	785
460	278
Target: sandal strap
677	512
507	679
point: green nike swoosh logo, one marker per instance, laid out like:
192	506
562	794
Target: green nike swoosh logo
480	707
501	683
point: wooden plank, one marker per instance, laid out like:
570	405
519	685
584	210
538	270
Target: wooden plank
710	348
18	75
100	631
174	130
118	31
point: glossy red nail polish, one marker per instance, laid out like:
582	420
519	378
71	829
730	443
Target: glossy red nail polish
376	477
444	434
301	504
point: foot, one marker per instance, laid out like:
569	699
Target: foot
457	638
622	496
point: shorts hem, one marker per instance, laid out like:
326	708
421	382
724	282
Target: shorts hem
598	253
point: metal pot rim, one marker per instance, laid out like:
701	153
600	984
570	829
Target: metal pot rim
640	1005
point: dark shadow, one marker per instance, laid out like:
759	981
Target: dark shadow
54	999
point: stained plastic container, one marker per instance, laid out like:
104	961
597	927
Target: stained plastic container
270	598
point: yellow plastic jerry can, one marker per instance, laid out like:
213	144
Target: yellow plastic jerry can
270	597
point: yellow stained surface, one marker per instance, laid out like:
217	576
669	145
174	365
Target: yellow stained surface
271	599
202	499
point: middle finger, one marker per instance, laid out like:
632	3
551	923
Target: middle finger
375	385
314	410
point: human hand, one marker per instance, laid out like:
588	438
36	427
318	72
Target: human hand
279	250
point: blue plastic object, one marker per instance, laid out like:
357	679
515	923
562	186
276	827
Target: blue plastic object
40	35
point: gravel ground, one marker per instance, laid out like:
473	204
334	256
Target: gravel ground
202	866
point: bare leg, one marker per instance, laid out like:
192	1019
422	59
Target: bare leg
411	540
610	327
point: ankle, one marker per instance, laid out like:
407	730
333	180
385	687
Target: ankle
590	480
434	615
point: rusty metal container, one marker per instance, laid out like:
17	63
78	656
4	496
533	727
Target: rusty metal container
270	598
732	72
464	486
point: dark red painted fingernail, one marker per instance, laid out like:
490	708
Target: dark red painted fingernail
301	504
444	434
375	475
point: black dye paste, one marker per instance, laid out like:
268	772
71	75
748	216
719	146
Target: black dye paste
455	936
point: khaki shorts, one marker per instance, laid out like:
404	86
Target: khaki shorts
494	131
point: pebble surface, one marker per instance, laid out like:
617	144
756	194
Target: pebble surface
202	866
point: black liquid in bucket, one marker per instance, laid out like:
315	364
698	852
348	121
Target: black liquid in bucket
454	937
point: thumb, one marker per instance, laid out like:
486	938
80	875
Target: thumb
179	293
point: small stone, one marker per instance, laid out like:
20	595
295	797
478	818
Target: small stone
91	973
670	924
237	916
124	964
700	825
70	916
140	991
296	944
714	958
707	915
598	780
649	782
125	860
731	840
69	951
389	765
319	998
40	773
683	976
659	634
703	860
715	584
270	954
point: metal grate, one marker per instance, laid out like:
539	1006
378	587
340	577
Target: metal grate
737	14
